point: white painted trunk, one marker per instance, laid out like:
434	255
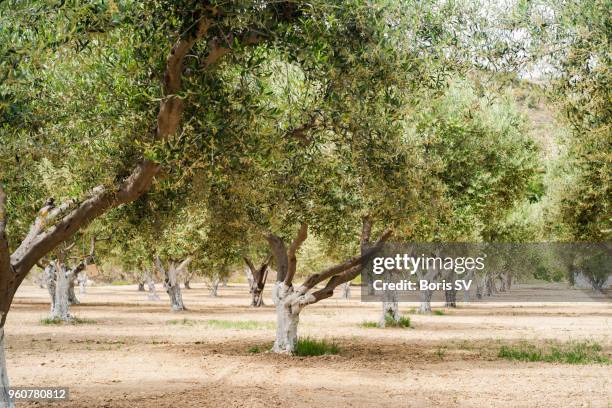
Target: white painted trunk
173	288
176	298
289	303
83	283
286	329
5	401
430	276
213	289
390	310
60	306
249	276
425	306
152	291
50	279
346	290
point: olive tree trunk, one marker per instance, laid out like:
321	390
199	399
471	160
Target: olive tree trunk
257	280
490	285
72	299
70	216
346	290
390	312
426	294
171	283
502	282
83	283
173	288
289	304
425	306
213	286
470	276
152	291
5	401
61	303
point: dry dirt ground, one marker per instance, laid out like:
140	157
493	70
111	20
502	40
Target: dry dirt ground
136	353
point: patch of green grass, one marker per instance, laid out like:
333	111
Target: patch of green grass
256	349
441	352
438	312
307	347
225	324
570	353
75	320
403	321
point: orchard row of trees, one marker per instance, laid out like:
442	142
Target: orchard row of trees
205	134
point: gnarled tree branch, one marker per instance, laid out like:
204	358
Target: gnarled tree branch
292	251
355	261
75	215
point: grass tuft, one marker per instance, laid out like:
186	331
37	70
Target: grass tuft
403	322
570	353
307	347
439	312
256	349
74	321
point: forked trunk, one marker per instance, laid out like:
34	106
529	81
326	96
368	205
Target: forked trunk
5	401
508	281
257	298
187	285
141	286
173	288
